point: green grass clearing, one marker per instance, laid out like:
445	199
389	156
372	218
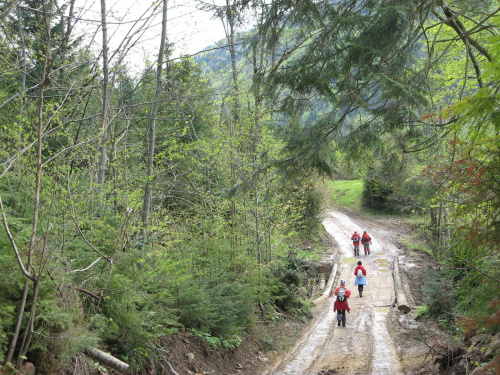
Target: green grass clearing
347	193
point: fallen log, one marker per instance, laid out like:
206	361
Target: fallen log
328	291
108	360
398	287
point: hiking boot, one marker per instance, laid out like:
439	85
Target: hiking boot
343	325
338	323
361	294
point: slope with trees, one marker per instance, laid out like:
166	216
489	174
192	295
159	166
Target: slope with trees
124	218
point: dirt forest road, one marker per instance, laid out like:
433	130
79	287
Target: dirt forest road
364	346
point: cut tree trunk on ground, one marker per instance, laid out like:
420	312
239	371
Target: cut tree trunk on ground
327	292
108	360
401	301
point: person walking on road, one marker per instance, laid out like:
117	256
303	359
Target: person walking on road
360	273
356	238
341	305
366	240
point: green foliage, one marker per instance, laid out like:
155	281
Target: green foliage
415	243
439	291
313	248
477	287
61	326
8	369
232	307
6	320
386	188
194	298
222	308
289	294
231	341
422	311
128	318
467	174
304	203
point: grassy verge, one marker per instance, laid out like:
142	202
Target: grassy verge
345	193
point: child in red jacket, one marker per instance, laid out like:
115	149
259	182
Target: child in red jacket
366	240
356	239
360	273
341	305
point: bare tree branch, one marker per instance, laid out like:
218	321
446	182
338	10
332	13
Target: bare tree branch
87	268
13	243
4	12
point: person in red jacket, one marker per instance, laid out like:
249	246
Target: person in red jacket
341	305
366	240
356	238
360	273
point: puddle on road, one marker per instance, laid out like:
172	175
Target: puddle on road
379	253
383	270
382	262
349	260
382	309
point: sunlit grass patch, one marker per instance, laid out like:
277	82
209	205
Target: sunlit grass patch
347	193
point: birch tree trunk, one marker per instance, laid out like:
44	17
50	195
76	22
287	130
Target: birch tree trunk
229	29
105	100
23	74
17	329
152	121
231	39
28	332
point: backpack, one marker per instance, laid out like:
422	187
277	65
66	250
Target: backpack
360	273
366	238
355	238
341	294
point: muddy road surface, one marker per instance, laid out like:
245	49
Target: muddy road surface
364	346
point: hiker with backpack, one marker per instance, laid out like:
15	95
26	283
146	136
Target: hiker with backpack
356	238
366	240
360	273
341	305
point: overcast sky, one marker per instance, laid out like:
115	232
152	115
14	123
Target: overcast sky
189	28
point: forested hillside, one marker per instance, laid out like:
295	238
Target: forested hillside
135	205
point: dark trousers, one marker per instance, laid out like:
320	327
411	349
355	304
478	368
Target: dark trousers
341	316
360	289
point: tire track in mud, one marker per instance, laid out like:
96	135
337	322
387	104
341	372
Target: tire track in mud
364	346
313	345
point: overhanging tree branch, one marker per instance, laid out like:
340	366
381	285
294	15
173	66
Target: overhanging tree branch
5	10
